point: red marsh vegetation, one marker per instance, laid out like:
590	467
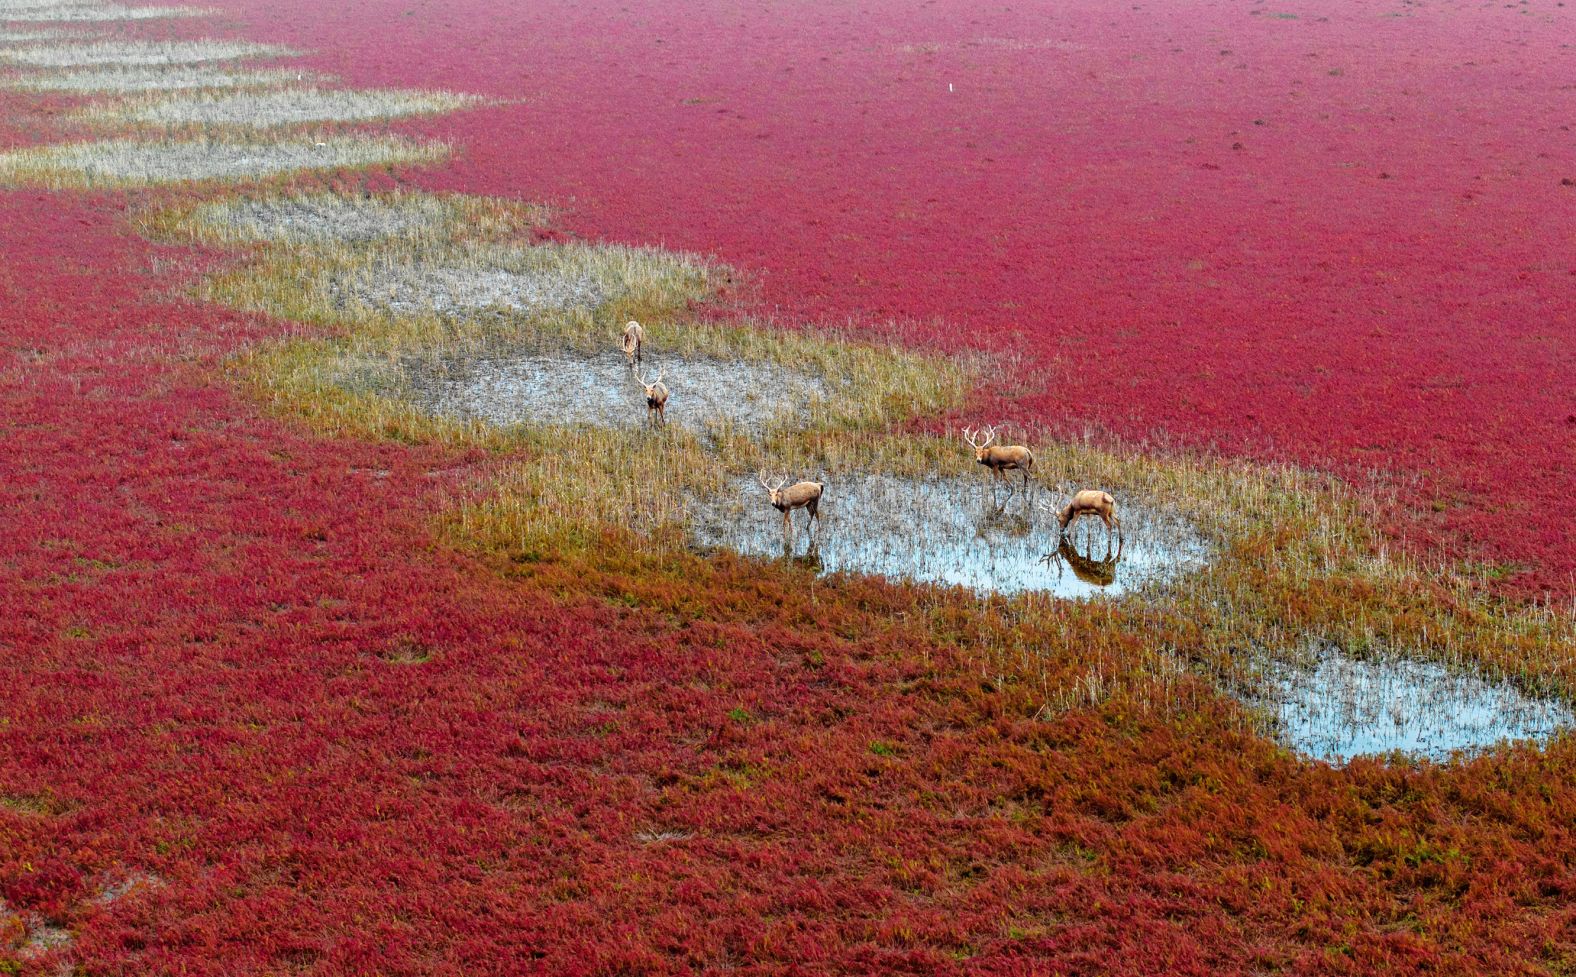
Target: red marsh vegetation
258	717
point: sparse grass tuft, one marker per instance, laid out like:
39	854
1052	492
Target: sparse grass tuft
416	220
157	78
74	11
270	109
132	163
139	53
30	37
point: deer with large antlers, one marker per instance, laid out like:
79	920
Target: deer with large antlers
800	495
634	342
1000	458
1089	502
656	397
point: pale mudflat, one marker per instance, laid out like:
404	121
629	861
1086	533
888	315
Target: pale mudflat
706	395
329	218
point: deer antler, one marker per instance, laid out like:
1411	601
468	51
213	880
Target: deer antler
990	435
761	475
662	371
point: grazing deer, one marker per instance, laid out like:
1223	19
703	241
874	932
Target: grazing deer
656	398
1000	458
801	495
1090	502
634	341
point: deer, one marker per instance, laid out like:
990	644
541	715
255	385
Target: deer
1089	502
1000	458
800	495
656	397
634	341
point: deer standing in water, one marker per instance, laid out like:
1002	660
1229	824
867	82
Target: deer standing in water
1090	502
1000	458
800	495
634	342
656	398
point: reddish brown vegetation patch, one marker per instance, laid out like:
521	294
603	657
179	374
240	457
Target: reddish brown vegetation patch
211	623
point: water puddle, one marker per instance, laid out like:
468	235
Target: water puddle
562	388
1341	707
949	531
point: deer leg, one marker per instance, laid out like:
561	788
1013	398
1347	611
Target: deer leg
814	507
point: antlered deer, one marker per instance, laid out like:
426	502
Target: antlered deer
1000	458
800	495
1090	502
634	341
656	397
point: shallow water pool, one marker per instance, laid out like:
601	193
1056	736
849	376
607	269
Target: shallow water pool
955	531
1337	707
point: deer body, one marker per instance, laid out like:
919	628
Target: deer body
634	340
656	398
800	495
1091	502
1000	458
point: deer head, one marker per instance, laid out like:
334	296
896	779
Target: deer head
981	447
654	390
775	491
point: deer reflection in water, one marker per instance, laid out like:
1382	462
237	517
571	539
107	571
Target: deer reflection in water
809	560
1096	572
